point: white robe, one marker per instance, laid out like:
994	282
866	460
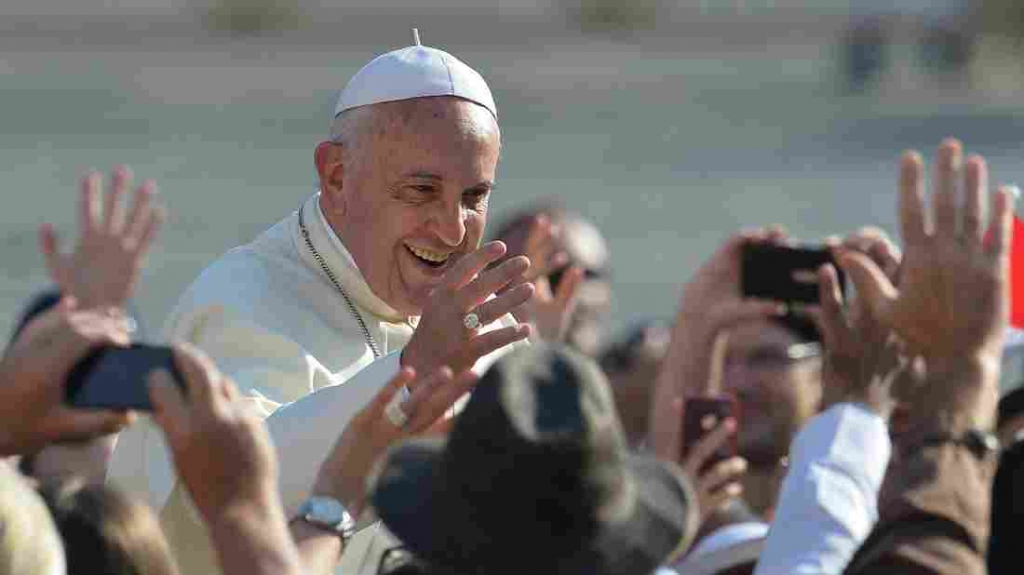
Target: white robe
272	320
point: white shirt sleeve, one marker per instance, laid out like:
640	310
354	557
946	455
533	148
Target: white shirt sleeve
829	499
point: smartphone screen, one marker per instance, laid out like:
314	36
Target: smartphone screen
701	416
785	273
117	378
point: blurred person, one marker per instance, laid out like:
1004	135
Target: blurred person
101	273
29	542
571	265
535	477
631	364
773	364
379	270
774	371
225	459
106	531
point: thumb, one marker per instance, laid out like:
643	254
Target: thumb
170	409
873	286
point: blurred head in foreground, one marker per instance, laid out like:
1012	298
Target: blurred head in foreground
29	543
536	462
105	531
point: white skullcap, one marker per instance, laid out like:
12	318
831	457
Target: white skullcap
414	72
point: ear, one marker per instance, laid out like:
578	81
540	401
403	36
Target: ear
329	166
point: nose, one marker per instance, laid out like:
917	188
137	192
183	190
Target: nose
450	224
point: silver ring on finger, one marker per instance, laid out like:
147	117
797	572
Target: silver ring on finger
471	321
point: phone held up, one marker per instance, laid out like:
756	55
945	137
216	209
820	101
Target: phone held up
786	273
701	416
117	378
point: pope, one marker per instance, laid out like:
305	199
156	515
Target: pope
380	269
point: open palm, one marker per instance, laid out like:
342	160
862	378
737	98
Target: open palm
105	266
952	296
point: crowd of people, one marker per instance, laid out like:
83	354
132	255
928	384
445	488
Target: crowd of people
371	387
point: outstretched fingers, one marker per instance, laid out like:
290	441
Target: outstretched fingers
113	216
975	194
948	167
1001	224
913	220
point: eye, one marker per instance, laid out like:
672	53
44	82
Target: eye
475	197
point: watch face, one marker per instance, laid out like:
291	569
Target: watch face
326	510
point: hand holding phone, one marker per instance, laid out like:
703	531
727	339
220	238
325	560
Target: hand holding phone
701	416
117	378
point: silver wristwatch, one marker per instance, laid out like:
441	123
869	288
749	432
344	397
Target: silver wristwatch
329	514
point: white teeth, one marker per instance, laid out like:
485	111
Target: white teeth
428	255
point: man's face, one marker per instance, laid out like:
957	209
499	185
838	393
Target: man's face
413	199
777	395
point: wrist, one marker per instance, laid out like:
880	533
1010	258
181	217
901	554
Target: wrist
960	393
260	507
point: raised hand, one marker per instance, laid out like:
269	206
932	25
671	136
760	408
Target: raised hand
719	483
550	312
951	304
952	296
442	338
222	450
104	268
863	359
33	373
370	433
225	458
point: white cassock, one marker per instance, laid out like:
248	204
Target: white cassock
272	320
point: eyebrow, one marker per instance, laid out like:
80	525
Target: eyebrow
484	185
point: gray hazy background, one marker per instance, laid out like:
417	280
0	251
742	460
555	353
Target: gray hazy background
669	123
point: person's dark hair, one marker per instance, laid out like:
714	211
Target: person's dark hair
1011	405
107	532
1007	511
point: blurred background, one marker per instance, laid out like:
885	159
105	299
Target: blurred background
669	123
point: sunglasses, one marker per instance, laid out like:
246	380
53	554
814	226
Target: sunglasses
774	359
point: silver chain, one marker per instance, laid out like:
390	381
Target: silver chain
334	280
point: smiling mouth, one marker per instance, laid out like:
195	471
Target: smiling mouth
429	258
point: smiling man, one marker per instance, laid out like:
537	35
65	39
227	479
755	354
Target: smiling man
381	268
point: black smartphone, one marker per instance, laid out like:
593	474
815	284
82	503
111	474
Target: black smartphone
785	273
116	377
701	416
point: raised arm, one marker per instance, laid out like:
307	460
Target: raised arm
951	307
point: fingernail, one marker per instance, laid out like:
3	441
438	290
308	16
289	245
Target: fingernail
1014	191
741	464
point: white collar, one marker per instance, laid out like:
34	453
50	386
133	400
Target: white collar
340	261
